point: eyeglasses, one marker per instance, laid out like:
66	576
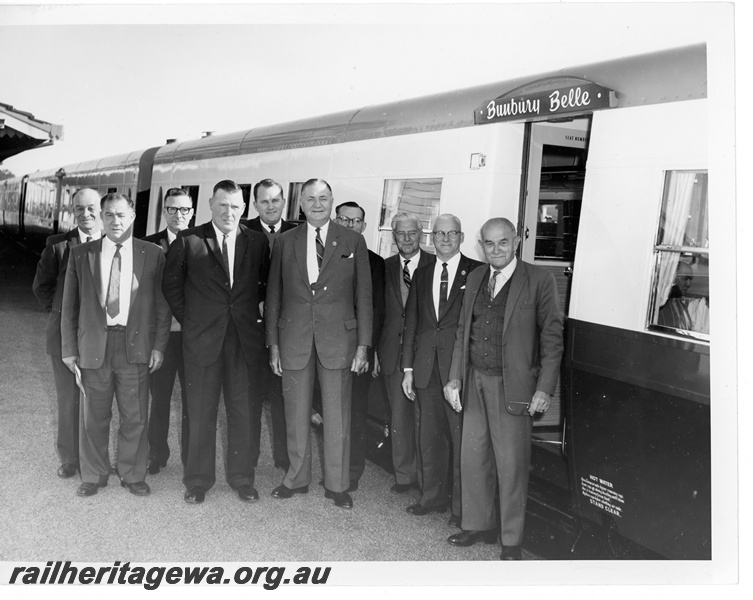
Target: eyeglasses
184	210
443	235
406	234
347	221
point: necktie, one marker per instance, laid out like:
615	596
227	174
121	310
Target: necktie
493	283
319	248
271	229
113	288
225	257
443	289
87	239
406	273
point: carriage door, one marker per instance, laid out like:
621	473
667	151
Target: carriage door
554	177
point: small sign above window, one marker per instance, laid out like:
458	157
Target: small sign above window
546	98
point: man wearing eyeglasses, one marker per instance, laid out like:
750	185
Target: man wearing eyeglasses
352	215
177	212
431	320
399	270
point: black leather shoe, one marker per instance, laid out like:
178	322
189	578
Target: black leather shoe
282	492
468	538
341	499
67	470
194	494
420	511
454	521
510	553
137	488
89	489
402	488
353	486
154	466
248	493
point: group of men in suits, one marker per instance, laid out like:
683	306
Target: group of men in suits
264	310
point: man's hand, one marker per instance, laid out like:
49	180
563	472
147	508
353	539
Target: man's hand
539	403
155	360
71	362
377	369
360	362
408	390
274	360
452	394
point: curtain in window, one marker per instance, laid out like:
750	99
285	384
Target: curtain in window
676	208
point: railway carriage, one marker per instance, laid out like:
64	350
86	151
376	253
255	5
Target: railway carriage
608	186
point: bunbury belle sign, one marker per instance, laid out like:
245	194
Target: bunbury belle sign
546	98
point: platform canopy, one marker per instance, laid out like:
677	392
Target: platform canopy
20	131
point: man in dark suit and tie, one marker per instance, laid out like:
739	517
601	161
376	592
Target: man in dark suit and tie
115	327
507	360
177	212
399	270
352	215
431	319
48	288
215	279
318	320
269	202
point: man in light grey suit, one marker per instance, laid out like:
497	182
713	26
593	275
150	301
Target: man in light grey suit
507	355
318	320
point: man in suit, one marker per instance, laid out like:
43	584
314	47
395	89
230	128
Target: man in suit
215	279
177	212
431	319
507	356
48	288
399	270
269	202
352	215
115	327
318	319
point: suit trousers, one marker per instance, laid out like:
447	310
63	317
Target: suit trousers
129	383
161	384
359	411
404	423
496	449
298	390
439	445
68	403
229	374
267	387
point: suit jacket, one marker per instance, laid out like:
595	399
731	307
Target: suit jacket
84	320
532	334
391	338
49	282
376	268
198	290
160	238
425	337
335	313
256	225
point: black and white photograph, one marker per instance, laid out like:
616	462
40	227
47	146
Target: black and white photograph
375	297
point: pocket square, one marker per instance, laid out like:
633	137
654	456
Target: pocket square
348	255
462	287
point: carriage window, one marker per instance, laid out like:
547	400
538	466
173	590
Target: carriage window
246	190
419	196
294	202
680	302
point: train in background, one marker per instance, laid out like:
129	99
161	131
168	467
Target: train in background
609	189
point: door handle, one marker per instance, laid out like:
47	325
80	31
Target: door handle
568	272
525	235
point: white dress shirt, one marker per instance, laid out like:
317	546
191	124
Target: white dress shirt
126	276
276	226
452	269
171	237
504	275
311	262
82	237
230	248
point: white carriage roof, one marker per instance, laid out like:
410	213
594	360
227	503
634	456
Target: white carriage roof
21	131
665	76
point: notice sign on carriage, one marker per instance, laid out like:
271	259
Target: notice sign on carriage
544	99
